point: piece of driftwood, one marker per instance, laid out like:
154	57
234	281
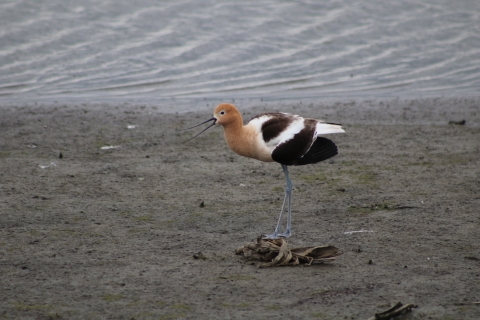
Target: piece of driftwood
393	311
276	253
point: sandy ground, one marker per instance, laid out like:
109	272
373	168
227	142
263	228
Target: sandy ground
112	233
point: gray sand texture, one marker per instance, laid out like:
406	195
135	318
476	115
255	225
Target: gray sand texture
110	233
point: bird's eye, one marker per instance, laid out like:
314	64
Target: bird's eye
222	112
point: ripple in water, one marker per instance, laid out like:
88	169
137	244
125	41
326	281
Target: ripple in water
150	50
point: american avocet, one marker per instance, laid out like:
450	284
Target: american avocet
285	138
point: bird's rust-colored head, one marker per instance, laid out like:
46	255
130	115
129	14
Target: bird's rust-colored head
227	114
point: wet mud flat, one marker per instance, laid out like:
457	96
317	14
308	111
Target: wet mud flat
101	214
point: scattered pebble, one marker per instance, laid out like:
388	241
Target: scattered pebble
46	166
199	255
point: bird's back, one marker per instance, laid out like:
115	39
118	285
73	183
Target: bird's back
293	140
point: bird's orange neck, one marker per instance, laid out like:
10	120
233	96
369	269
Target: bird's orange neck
239	138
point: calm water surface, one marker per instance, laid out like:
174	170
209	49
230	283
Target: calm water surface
191	51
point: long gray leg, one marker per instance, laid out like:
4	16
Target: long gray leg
288	191
288	197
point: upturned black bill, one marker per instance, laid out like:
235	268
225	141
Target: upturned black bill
212	119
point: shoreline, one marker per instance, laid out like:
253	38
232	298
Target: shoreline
437	106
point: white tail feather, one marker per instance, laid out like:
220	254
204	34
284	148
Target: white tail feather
327	128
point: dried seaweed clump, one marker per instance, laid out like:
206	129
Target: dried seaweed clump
275	253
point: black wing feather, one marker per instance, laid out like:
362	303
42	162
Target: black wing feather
321	150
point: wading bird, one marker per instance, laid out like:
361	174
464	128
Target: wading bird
281	137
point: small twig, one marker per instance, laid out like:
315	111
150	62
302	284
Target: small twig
458	123
466	303
404	207
359	231
393	311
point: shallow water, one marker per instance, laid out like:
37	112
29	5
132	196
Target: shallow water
191	51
